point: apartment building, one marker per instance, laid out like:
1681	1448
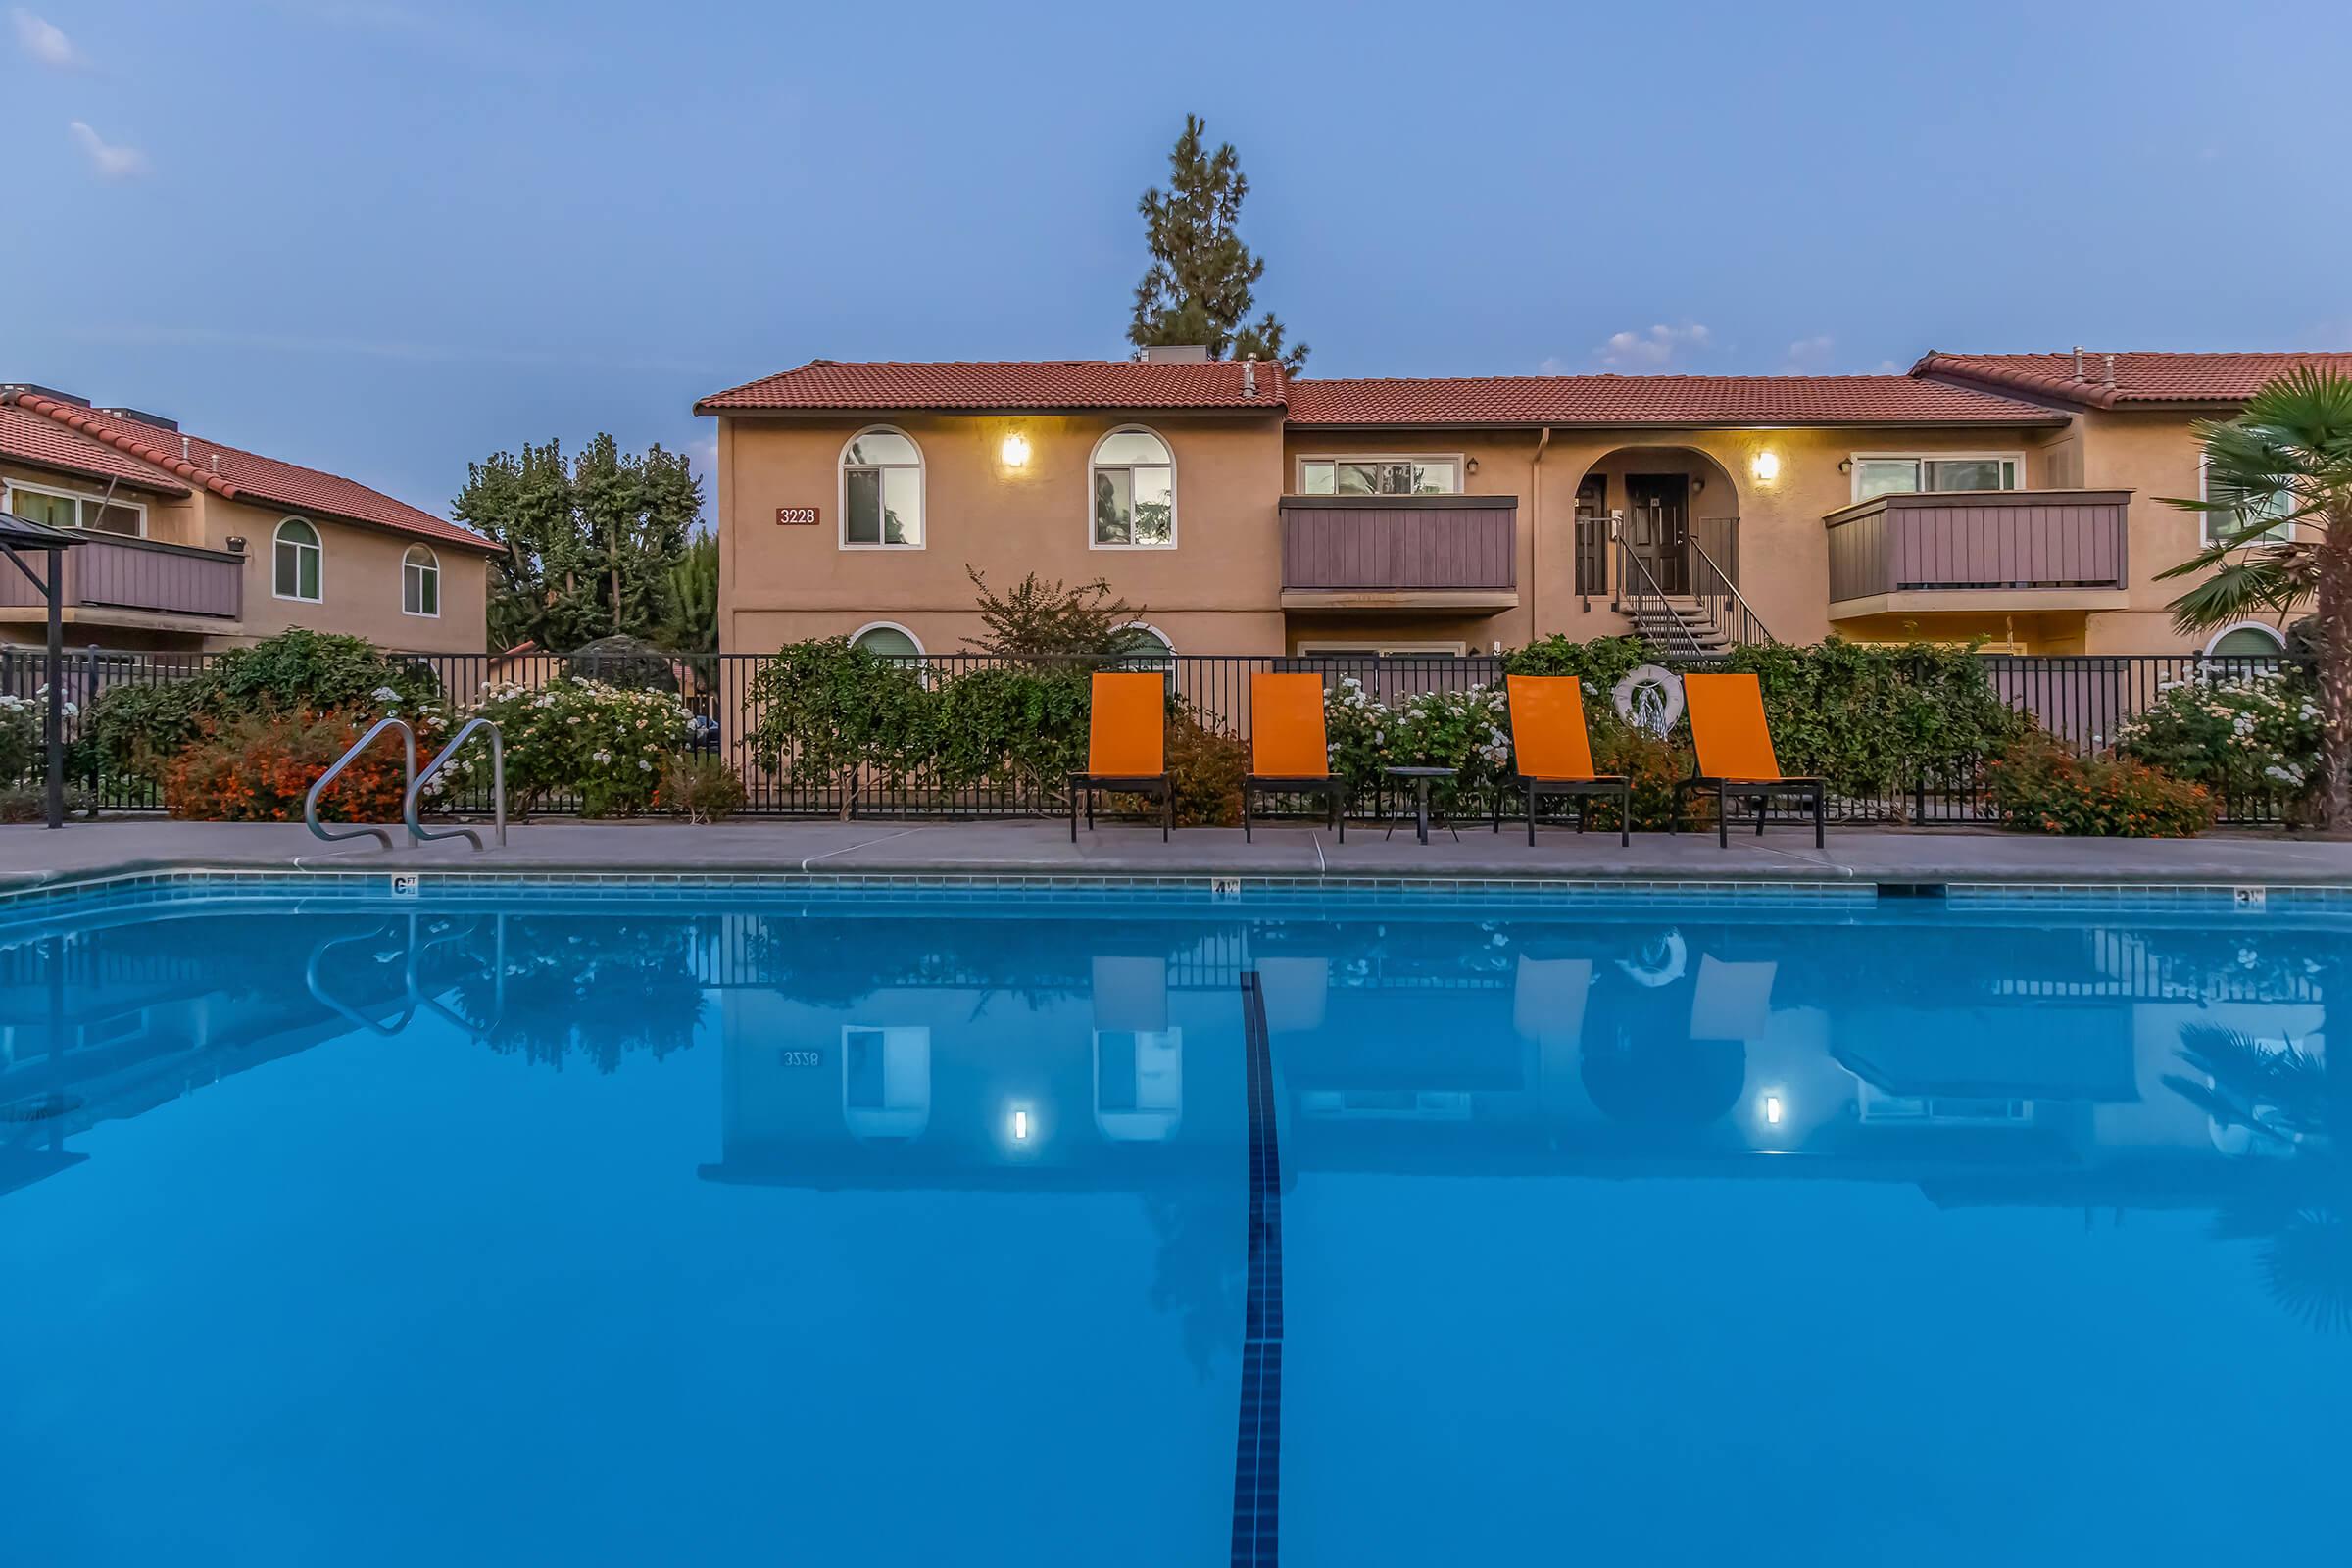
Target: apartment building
2016	499
194	544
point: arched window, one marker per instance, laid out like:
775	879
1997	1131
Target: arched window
1145	648
881	491
419	583
1133	482
2248	639
295	567
888	638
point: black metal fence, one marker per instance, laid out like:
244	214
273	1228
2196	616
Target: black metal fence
2084	701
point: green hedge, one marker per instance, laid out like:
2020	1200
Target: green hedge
1871	720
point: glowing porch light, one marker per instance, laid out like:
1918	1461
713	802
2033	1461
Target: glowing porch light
1016	451
1766	467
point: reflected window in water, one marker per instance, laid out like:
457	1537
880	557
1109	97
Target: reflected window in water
886	1080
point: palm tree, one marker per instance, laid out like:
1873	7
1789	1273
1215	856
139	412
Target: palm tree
2278	490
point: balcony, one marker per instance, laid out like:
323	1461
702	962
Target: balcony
1979	550
1400	553
115	581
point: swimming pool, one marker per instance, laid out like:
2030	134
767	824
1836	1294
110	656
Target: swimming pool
878	1226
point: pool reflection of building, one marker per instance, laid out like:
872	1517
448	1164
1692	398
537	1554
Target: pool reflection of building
1608	1051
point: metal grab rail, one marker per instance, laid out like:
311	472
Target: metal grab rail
310	801
1727	610
417	832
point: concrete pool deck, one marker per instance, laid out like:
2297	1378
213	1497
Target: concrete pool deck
31	855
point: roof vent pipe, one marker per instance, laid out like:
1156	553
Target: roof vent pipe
1250	376
2078	362
2111	370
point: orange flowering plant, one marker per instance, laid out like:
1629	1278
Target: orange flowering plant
257	768
2039	786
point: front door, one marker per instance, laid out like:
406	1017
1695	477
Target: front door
1658	528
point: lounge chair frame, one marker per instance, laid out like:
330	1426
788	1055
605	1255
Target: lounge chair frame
1600	787
1160	786
1760	793
1330	786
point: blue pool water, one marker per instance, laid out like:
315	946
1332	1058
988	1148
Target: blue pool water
525	1228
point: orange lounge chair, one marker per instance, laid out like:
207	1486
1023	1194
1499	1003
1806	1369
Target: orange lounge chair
1735	759
1289	754
1553	751
1126	746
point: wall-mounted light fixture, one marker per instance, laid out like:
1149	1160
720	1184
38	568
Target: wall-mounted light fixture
1016	451
1845	465
1698	482
236	545
1766	466
1470	466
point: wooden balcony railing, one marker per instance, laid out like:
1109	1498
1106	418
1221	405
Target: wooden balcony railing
113	572
1979	541
1463	547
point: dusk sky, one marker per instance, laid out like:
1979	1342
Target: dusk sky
384	238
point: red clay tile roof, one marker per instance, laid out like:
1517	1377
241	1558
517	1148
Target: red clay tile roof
42	442
2139	377
238	475
822	384
1645	400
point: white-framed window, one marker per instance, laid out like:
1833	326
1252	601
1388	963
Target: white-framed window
72	509
2209	534
419	583
1382	474
881	491
1131	489
887	638
1142	646
297	562
2247	639
1879	474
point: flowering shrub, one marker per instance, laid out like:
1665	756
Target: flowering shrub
604	744
257	768
700	788
2245	735
2038	786
20	724
1650	766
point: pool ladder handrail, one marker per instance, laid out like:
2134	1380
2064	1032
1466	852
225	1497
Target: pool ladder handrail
418	833
310	800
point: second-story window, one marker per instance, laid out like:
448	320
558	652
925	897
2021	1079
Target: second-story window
1380	475
881	491
1134	484
1879	473
419	583
296	561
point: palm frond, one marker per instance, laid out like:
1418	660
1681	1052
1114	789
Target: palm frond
2238	590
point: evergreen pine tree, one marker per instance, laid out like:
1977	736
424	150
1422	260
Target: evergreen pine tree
1203	280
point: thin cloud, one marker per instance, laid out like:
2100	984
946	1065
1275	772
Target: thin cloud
112	160
1808	355
1653	350
44	41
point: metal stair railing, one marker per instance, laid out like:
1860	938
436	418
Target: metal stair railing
1727	610
1645	602
310	800
418	833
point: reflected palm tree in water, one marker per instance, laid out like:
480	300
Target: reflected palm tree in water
2275	1097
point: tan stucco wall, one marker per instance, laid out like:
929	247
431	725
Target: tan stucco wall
359	583
1218	590
1213	593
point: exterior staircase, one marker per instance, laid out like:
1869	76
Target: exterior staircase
1677	623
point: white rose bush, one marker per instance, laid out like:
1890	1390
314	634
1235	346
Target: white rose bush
604	746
